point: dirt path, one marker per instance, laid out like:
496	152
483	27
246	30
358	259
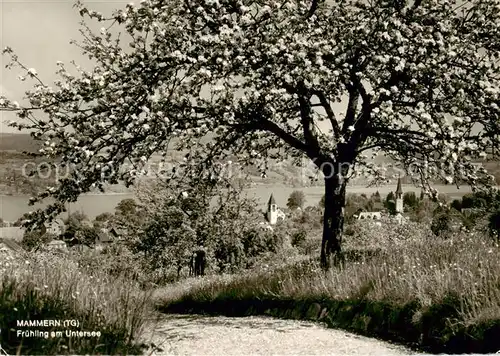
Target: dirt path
200	335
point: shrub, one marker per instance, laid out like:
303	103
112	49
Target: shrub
34	240
410	200
45	286
494	224
456	204
390	203
441	224
298	238
296	200
182	216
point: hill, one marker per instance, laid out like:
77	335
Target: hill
13	165
18	142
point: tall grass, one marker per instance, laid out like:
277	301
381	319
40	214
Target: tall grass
45	286
452	282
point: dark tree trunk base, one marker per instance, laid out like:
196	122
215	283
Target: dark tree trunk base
333	223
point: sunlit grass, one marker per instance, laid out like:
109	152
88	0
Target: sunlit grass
396	266
44	286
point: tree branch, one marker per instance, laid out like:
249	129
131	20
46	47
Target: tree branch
306	120
351	108
328	109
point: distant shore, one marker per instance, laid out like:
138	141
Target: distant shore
93	204
359	189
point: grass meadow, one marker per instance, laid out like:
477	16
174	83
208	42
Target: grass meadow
395	282
50	287
438	295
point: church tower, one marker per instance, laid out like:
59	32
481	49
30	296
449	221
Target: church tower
399	198
272	211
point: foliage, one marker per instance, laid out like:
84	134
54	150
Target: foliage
79	226
441	223
104	220
48	287
410	200
390	203
33	240
129	215
20	221
311	219
424	211
456	204
481	204
167	240
126	207
296	200
181	217
104	217
87	235
299	238
376	197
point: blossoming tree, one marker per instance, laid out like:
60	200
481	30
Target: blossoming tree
420	82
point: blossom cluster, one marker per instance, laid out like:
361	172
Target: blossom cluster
422	83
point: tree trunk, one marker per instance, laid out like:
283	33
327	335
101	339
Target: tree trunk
333	220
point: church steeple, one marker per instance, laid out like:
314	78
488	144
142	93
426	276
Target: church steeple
399	197
399	190
271	201
272	210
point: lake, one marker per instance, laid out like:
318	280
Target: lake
12	207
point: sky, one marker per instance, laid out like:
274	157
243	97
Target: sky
39	32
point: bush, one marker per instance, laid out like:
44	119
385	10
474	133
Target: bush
410	200
456	204
441	224
494	224
296	200
183	216
49	287
298	238
34	240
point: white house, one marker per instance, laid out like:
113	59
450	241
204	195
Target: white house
56	227
56	245
274	214
372	215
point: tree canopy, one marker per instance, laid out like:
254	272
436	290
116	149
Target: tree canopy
296	200
419	80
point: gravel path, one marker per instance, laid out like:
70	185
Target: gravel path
223	336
